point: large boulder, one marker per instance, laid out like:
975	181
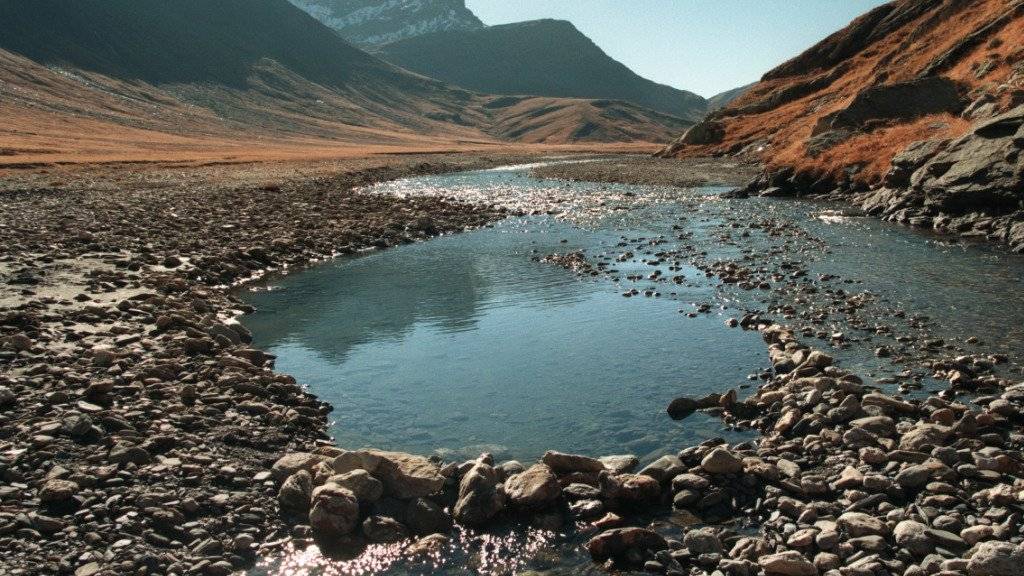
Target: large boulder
996	559
982	171
708	131
334	513
480	496
291	463
721	461
568	463
534	489
296	492
365	487
406	476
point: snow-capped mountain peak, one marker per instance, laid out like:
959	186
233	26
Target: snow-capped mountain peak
370	23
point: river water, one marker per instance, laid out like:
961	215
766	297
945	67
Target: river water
475	343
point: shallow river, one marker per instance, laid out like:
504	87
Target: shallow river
471	343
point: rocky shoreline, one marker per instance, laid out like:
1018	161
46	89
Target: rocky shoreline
843	480
968	187
137	426
140	433
644	170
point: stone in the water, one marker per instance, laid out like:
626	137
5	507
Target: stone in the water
569	463
620	463
665	468
534	489
425	516
431	545
384	530
616	542
680	408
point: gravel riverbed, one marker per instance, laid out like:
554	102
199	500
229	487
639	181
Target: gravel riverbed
141	434
136	423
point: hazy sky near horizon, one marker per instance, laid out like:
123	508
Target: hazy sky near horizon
704	46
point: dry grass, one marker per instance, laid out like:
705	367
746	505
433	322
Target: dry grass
900	56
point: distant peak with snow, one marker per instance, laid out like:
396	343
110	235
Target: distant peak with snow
370	23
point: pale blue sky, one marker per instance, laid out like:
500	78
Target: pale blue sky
705	46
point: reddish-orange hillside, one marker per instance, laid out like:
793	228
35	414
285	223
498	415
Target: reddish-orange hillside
907	71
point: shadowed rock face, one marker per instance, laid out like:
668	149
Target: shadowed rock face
982	171
179	42
902	101
370	23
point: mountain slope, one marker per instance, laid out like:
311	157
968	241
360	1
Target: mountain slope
916	108
370	23
824	110
247	71
542	57
723	99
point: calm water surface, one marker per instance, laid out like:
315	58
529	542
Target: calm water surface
466	344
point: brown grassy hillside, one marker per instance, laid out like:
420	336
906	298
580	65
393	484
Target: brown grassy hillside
144	79
788	119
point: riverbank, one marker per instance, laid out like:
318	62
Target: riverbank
143	434
645	170
136	423
905	468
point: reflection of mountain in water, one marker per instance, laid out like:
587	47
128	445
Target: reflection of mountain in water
447	283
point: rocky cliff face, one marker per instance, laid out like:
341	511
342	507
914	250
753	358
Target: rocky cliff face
913	111
370	23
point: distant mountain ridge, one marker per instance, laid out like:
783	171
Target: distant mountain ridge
370	23
242	73
540	57
723	99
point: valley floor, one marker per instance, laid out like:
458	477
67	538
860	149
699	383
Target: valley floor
139	430
134	418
